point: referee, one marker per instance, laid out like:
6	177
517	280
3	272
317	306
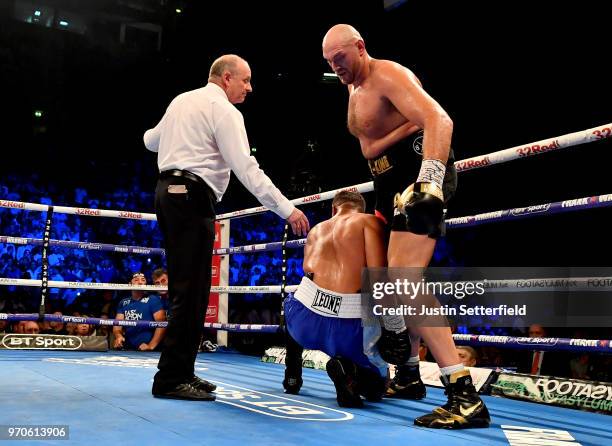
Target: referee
200	139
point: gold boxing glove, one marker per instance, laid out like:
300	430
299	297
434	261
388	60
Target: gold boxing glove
422	203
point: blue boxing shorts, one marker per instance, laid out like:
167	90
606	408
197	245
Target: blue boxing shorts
320	319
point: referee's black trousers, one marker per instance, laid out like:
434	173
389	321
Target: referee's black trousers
186	217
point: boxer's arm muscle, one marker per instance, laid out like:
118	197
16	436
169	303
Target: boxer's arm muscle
374	147
406	94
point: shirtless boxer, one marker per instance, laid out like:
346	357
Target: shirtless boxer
405	135
325	313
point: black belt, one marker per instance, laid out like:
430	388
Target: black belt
190	176
184	174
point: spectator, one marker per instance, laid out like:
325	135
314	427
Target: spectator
539	362
160	278
467	355
19	327
536	331
84	329
108	305
56	328
31	327
139	308
71	326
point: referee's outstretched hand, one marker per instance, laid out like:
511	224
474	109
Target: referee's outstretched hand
299	223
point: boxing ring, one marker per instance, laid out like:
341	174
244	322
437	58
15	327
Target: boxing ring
106	395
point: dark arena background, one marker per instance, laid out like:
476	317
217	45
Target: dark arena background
82	80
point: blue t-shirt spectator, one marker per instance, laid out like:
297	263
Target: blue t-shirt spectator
139	310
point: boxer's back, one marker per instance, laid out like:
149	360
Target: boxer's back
335	250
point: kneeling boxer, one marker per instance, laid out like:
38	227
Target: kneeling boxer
325	313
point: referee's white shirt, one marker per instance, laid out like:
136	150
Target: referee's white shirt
204	133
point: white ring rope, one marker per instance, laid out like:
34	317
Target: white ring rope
490	286
272	289
523	151
502	156
575	204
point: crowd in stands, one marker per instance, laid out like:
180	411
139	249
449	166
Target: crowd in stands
65	264
263	268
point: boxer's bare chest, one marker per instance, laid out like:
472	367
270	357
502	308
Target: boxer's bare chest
370	114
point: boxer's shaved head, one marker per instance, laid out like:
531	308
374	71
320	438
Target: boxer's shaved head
345	198
344	50
340	35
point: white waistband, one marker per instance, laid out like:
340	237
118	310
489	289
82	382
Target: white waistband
328	303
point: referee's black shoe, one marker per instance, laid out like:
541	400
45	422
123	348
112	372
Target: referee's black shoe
202	384
184	391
